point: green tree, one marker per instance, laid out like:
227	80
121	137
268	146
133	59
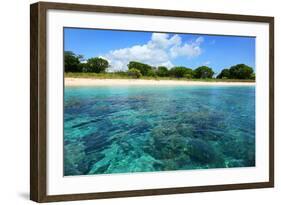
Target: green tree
96	65
82	67
224	74
188	76
180	71
72	62
143	68
152	73
134	73
162	71
203	72
253	76
241	71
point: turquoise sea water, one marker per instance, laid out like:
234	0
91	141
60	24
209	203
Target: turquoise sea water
145	128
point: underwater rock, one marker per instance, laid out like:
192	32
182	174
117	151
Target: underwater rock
168	144
186	130
85	164
240	148
144	163
141	127
201	151
73	154
66	142
95	142
85	123
69	168
235	163
158	166
101	170
122	130
126	147
206	124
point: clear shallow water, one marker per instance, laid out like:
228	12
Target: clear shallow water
140	129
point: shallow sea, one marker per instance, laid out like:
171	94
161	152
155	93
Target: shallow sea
157	128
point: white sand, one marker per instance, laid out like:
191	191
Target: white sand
126	82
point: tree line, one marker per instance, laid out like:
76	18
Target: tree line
75	63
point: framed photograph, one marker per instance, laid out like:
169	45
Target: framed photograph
133	102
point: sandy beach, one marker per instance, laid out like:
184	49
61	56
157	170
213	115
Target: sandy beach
126	82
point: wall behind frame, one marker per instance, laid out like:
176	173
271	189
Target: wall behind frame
14	103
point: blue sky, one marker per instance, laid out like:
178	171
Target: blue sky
169	49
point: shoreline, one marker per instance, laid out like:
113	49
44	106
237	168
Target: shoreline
70	82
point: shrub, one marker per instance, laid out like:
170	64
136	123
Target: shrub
162	71
224	74
72	62
203	72
187	76
96	65
241	71
151	73
143	68
134	73
253	76
180	71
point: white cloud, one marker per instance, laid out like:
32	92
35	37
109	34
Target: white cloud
185	50
199	40
159	50
191	49
207	63
162	40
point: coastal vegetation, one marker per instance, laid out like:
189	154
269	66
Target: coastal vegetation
97	67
